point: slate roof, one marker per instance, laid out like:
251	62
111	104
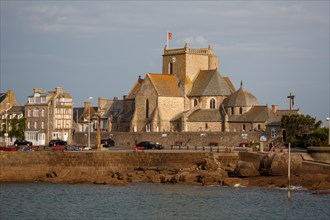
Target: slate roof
165	84
2	96
210	83
287	112
241	98
114	109
257	114
205	115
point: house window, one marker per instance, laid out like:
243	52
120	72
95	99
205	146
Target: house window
29	112
35	125
273	132
28	125
147	108
42	125
36	112
43	112
240	110
212	104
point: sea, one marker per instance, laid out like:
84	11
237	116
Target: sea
157	201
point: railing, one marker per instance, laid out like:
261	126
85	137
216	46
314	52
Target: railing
202	51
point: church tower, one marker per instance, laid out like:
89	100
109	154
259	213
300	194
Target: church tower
185	64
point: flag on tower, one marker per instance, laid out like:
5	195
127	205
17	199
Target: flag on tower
169	35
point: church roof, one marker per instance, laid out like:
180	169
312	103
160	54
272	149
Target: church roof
165	84
241	98
135	89
205	115
210	83
257	114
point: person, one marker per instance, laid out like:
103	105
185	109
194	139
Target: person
271	147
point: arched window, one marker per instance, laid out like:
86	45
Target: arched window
212	104
195	102
240	110
147	108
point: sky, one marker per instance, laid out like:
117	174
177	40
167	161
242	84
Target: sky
99	49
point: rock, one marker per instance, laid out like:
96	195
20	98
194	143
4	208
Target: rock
279	166
235	182
264	166
246	169
189	177
212	177
208	164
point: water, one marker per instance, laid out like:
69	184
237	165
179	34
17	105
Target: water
156	201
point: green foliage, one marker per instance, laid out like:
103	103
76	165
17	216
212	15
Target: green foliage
17	128
300	130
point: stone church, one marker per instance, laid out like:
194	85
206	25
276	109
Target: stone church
190	95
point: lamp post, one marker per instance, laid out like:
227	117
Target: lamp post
6	134
89	122
328	119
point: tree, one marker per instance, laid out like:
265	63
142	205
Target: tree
299	128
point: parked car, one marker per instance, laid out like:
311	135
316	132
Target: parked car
147	145
57	142
20	142
108	142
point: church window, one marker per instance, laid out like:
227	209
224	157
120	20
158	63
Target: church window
243	127
212	104
206	126
240	110
147	108
195	102
232	110
171	68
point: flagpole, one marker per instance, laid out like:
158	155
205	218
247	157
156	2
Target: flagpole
167	41
289	166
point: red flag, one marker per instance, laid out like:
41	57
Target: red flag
169	35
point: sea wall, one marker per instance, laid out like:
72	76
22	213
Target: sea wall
30	166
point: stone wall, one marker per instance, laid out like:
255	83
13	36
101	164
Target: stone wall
228	139
30	166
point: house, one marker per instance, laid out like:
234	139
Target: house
48	116
11	118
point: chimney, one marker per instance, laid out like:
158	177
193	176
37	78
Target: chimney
37	90
10	95
59	90
124	97
274	108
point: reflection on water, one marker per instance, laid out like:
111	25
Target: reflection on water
156	201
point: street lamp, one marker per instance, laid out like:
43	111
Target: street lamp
6	134
328	119
89	122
